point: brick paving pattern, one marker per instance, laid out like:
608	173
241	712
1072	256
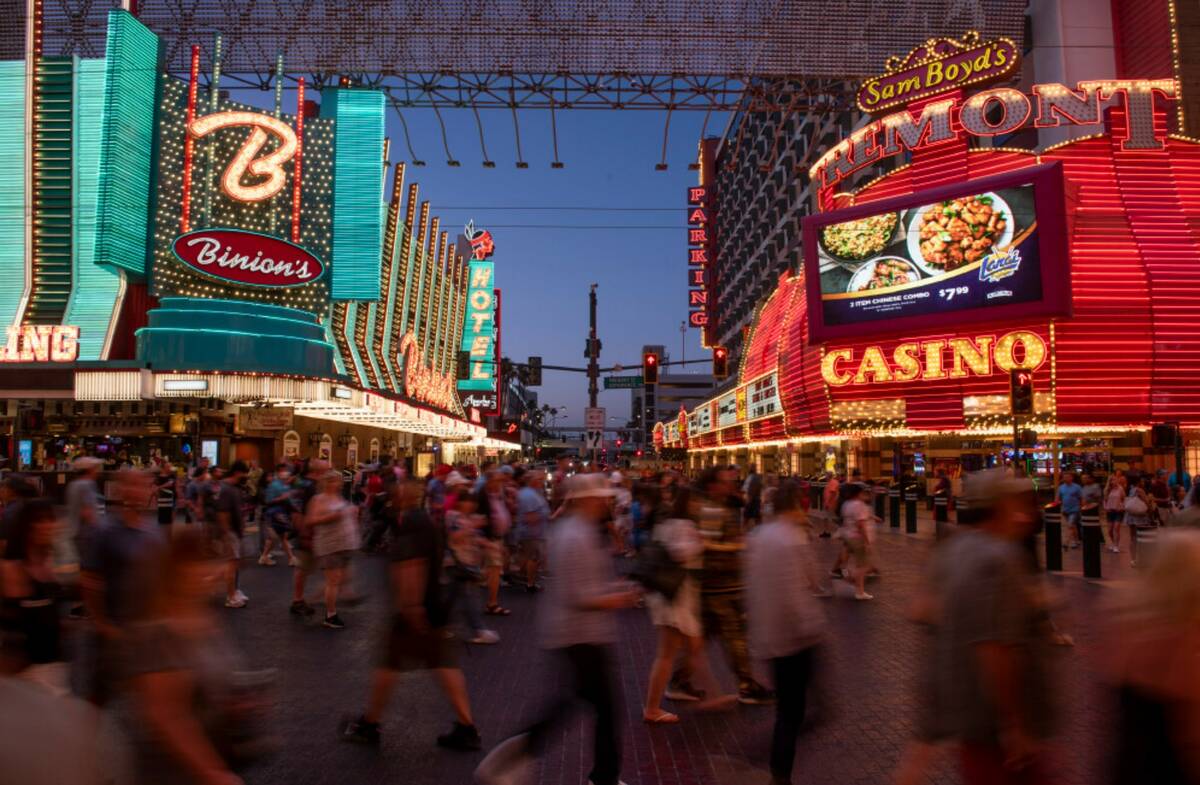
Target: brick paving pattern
865	717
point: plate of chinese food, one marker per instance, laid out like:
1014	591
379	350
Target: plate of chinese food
861	238
954	233
883	273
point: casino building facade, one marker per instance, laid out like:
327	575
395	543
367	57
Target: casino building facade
890	349
186	273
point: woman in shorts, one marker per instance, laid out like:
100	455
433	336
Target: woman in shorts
1114	509
334	523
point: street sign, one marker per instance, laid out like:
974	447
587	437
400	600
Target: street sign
593	418
594	440
622	382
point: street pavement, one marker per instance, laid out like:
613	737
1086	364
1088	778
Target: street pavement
866	701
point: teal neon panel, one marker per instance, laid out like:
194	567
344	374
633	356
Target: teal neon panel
12	195
94	295
231	335
357	192
351	316
127	142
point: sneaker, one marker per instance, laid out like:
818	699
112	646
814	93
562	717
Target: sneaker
359	731
235	602
509	763
835	574
239	595
266	561
293	562
461	737
486	637
334	622
533	588
683	691
757	695
864	596
301	608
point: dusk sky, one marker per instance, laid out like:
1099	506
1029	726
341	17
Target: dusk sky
544	268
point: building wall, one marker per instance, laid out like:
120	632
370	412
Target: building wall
13	201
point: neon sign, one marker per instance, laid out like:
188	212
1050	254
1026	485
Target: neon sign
1055	104
938	66
249	258
479	338
56	343
247	159
422	382
926	360
698	240
482	244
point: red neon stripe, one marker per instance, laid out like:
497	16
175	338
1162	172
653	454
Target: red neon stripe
189	144
296	179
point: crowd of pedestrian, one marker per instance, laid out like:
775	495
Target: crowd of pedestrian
144	567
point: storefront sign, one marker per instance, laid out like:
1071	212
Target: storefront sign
267	418
54	343
983	250
938	66
478	402
422	382
940	358
247	161
1050	105
249	258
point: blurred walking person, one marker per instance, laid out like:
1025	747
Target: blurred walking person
277	516
334	525
677	618
992	683
226	528
1151	662
577	622
533	518
307	487
1114	510
31	639
858	523
786	624
186	716
416	637
83	509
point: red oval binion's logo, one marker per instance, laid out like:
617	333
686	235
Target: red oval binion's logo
248	258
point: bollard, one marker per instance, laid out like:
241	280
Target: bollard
962	514
1052	521
817	494
1093	540
941	513
1147	541
894	511
881	493
910	509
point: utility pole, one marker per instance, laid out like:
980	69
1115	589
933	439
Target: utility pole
683	341
593	352
593	359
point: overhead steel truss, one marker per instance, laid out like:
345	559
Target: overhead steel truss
551	54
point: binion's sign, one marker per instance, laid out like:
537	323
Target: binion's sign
997	111
247	258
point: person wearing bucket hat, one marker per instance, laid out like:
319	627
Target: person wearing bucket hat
577	622
991	638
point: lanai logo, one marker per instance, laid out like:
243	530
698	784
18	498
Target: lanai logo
248	258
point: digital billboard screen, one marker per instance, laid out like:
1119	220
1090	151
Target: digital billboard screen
984	250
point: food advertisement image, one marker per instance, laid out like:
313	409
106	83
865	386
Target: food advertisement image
973	251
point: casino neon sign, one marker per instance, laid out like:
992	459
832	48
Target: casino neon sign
927	360
268	167
422	382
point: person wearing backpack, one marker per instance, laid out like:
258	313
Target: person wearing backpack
676	616
1137	516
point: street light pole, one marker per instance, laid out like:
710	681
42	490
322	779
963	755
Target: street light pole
593	359
683	341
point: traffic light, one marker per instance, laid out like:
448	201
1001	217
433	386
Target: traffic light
720	362
464	365
534	372
1021	383
649	368
619	443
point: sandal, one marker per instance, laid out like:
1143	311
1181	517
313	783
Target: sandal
662	718
497	610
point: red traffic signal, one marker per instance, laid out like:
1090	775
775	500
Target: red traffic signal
650	368
720	362
1021	391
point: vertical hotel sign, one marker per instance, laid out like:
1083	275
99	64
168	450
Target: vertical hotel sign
479	341
698	256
